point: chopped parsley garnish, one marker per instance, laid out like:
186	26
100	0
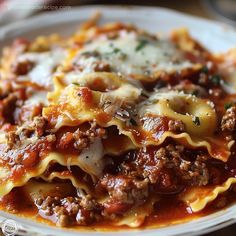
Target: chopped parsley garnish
228	105
86	53
144	95
116	50
195	93
215	79
154	101
90	53
205	69
196	120
141	44
75	83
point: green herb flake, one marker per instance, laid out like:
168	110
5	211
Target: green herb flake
144	95
90	54
154	101
215	79
205	69
228	105
196	121
116	50
141	44
86	53
75	83
195	93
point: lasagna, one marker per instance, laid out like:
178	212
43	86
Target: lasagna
116	127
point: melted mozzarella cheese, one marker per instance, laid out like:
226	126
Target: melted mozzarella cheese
90	160
40	97
44	65
130	54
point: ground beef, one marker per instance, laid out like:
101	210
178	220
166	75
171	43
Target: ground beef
10	104
27	113
142	173
216	92
81	138
101	67
188	87
35	128
24	155
7	107
203	79
176	126
69	210
27	144
22	67
5	87
171	161
124	189
84	138
228	122
129	182
194	171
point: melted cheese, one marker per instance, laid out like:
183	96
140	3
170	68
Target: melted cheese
227	68
101	80
91	159
131	54
183	107
44	65
40	97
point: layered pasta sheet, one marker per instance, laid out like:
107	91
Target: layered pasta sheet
118	118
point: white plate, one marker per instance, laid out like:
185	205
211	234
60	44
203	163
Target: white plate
215	36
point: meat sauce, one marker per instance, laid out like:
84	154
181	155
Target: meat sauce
128	169
168	211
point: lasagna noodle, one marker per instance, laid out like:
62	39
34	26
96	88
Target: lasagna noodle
45	54
137	215
68	107
66	175
82	94
198	197
133	219
7	184
90	160
38	189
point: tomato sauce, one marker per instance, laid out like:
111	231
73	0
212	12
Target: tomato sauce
167	211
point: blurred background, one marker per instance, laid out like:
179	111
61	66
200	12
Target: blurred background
221	10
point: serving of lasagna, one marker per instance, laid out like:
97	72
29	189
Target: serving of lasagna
116	127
